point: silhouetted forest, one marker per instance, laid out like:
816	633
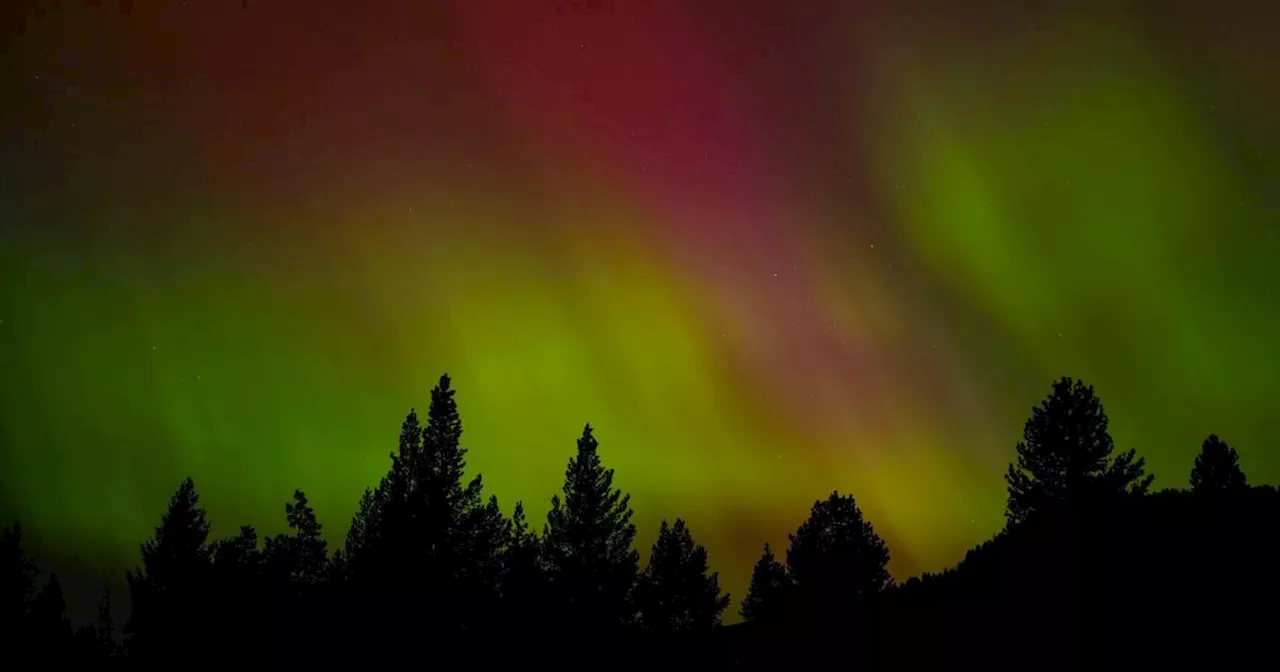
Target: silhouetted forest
1091	570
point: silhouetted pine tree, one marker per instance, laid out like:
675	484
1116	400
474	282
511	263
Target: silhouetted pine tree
105	631
444	460
522	577
766	601
1065	455
836	559
380	571
481	540
239	588
50	631
95	642
299	558
85	645
169	590
586	546
394	535
359	555
17	587
676	592
422	534
238	557
296	564
465	535
382	542
1217	468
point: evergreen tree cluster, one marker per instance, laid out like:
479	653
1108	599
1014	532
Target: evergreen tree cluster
33	617
430	562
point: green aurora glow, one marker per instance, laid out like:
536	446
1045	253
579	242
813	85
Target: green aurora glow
247	267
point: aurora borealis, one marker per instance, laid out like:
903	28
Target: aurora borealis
767	249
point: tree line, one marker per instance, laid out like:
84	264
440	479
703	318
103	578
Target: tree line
430	562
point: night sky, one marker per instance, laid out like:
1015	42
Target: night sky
767	249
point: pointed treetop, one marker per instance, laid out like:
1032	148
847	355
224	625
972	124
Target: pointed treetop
444	426
836	552
677	591
181	537
767	595
519	524
442	398
587	539
16	569
301	556
1217	468
410	436
49	608
444	462
301	516
1066	454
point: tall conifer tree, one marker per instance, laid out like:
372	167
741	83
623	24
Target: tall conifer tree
1217	468
677	592
169	590
766	601
836	559
590	564
1065	455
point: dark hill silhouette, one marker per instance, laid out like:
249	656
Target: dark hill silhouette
1113	584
